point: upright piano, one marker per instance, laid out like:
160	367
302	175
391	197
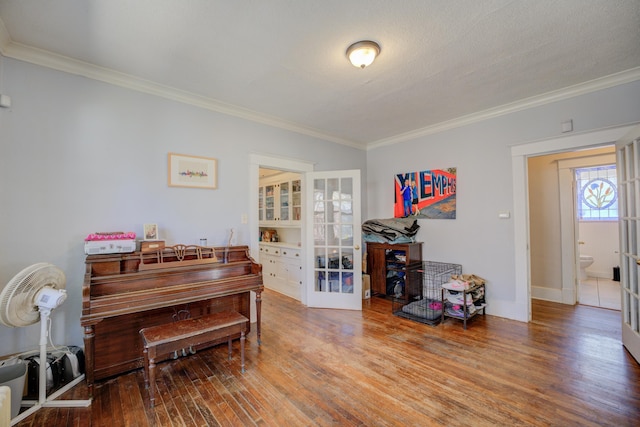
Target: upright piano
123	293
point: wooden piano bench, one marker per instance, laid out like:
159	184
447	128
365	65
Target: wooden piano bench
173	337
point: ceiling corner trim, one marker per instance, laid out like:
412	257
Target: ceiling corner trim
558	143
612	80
72	66
5	39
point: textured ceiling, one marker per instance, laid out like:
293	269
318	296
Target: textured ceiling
283	62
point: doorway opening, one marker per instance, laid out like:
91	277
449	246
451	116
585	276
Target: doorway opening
280	232
562	223
271	168
597	234
522	233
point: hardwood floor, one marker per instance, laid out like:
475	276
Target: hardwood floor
369	368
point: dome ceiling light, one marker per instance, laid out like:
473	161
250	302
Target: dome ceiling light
362	53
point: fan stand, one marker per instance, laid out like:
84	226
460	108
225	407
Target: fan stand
43	400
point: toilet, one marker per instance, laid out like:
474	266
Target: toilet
585	261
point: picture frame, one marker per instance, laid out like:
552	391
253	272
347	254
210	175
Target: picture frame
192	171
150	232
426	194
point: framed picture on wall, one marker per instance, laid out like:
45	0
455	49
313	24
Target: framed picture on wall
425	194
192	171
150	232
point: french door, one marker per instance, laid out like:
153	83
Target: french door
628	165
333	235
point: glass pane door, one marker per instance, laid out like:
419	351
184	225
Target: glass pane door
296	200
284	201
269	202
261	204
628	165
334	212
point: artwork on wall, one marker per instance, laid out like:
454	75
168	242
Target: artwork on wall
425	194
192	171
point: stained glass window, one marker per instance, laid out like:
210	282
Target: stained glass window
597	189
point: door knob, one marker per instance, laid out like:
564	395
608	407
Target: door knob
356	247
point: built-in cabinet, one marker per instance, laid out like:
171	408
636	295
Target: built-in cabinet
282	268
280	221
280	202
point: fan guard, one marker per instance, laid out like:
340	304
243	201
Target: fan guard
17	300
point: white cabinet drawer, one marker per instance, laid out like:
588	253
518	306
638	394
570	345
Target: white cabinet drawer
290	253
270	249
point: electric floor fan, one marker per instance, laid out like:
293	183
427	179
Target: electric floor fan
31	296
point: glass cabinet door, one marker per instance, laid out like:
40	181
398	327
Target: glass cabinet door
284	201
269	202
296	200
261	204
280	203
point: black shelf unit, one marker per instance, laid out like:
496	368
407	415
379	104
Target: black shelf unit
477	296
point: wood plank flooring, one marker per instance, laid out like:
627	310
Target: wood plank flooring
320	367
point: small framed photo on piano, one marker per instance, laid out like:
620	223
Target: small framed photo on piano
150	232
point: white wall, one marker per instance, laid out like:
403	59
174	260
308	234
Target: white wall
478	239
601	241
544	222
79	156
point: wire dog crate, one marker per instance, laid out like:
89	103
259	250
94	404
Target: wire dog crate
423	296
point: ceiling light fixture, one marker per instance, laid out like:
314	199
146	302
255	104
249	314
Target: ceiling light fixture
362	53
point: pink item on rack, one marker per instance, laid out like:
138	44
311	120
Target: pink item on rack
114	235
456	285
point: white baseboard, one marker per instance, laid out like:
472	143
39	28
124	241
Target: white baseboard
283	289
600	274
507	309
547	294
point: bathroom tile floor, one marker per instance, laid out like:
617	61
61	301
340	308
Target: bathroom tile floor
599	292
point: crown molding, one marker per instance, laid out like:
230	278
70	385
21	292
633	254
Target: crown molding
4	37
73	66
48	59
534	101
